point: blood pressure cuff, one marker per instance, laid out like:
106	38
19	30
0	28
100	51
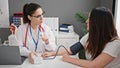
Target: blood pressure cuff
75	48
78	48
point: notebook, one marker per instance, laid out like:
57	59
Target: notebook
10	55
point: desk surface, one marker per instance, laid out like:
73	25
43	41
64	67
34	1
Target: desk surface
53	63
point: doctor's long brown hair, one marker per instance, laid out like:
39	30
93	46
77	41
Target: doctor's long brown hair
101	30
29	9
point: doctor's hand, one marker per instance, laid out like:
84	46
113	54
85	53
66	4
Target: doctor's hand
31	57
13	28
45	39
47	54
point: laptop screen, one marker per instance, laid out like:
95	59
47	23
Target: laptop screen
10	55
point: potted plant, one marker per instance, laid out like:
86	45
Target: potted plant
82	18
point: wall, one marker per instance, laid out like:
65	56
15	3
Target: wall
64	9
107	3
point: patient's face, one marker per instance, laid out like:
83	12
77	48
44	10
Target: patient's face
87	23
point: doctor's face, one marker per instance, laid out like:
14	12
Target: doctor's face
37	17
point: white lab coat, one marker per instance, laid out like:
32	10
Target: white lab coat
30	45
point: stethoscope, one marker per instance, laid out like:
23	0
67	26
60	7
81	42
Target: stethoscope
35	42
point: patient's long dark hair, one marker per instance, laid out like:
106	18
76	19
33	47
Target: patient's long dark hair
101	30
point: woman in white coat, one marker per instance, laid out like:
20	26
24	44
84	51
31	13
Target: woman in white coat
33	36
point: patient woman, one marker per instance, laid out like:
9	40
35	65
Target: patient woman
33	36
101	43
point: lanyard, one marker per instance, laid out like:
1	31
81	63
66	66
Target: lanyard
35	42
25	39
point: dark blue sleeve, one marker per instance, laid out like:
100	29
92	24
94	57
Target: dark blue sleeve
75	48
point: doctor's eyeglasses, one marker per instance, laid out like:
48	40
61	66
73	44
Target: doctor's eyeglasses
38	16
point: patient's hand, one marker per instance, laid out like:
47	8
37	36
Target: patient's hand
66	57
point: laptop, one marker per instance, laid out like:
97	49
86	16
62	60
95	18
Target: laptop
10	55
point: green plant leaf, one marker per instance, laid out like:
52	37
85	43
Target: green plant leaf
81	17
